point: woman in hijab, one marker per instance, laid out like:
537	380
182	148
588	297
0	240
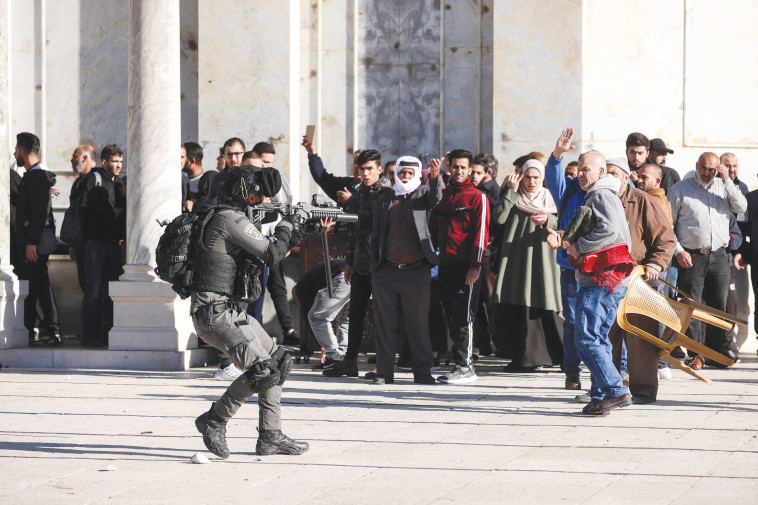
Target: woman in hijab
527	296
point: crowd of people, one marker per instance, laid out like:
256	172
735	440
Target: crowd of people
441	251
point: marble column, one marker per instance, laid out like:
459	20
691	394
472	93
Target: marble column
12	291
147	315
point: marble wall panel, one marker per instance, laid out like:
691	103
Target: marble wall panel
243	74
62	63
487	25
419	27
188	37
485	124
462	99
418	111
720	74
378	108
378	32
25	73
632	82
537	72
334	131
461	22
103	73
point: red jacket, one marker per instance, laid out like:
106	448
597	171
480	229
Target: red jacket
460	225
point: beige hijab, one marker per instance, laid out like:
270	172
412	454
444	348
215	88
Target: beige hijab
540	199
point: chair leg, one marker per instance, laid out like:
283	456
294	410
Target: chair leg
687	342
677	364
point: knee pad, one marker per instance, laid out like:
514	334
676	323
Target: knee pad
283	362
263	375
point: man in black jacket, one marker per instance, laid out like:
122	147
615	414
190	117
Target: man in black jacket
402	255
103	203
34	217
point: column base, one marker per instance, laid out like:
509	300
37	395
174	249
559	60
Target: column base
149	316
13	292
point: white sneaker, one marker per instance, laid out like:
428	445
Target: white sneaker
227	374
664	373
459	375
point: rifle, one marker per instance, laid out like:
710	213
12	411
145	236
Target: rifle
312	213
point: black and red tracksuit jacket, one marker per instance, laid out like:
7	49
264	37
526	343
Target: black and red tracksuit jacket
460	225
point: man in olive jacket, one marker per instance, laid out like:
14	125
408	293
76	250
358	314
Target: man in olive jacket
402	255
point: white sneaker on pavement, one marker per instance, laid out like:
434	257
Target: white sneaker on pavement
664	373
459	375
227	374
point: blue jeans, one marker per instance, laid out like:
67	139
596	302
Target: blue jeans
571	359
595	313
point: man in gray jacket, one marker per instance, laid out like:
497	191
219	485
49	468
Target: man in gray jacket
401	257
597	297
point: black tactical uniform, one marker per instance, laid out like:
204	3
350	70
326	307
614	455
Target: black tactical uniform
226	262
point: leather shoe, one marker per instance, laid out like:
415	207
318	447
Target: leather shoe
607	404
728	353
642	400
370	375
695	363
380	380
424	379
573	383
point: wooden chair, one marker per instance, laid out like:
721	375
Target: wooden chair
642	299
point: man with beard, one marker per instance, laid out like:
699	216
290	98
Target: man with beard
460	228
700	208
34	217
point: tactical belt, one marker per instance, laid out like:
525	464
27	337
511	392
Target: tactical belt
208	313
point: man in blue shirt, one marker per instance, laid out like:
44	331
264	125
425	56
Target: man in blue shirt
569	196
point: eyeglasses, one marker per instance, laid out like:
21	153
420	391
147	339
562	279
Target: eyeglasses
233	155
707	169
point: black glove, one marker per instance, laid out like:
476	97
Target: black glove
297	230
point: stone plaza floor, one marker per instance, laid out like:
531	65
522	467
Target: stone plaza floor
93	437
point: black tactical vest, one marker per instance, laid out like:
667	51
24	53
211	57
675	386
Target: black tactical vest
218	272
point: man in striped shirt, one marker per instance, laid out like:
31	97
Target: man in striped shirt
460	228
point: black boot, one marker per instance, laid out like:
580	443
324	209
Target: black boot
213	429
276	442
333	368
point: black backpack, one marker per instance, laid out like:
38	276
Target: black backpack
177	248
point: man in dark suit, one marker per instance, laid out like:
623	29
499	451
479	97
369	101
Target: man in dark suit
402	254
34	218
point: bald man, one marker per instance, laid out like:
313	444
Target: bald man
597	299
82	162
700	208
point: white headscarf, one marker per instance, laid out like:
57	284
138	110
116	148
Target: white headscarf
538	200
403	188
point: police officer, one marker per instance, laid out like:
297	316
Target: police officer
227	262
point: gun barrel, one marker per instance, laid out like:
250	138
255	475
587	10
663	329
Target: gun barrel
335	215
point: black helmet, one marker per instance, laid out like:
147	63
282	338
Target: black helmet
247	180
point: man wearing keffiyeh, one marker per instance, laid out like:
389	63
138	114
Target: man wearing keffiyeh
402	255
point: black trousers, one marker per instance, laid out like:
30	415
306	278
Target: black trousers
707	281
360	293
277	288
40	293
410	290
459	301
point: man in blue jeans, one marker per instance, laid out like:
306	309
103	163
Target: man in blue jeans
598	291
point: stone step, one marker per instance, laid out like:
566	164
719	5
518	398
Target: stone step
95	359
